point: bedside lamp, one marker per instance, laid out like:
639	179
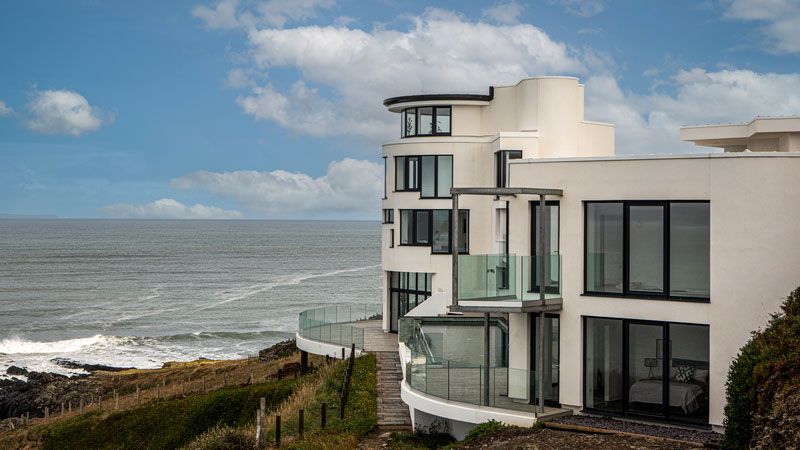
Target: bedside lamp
650	363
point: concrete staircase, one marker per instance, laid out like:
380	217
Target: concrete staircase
392	412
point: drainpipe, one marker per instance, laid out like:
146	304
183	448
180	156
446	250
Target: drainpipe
540	337
454	248
486	371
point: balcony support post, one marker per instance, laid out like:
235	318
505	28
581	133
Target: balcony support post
540	338
486	348
454	245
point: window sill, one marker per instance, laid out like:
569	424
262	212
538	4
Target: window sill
647	297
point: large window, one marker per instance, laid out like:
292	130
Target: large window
406	291
426	121
426	227
646	368
655	249
501	159
385	177
432	175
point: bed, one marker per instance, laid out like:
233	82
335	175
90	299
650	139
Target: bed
688	396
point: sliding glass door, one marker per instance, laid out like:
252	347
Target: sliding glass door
645	381
551	349
646	369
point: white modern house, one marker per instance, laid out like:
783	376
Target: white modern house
585	282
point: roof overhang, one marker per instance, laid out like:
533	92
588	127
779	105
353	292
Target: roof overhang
507	191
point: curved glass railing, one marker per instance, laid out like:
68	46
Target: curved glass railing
338	324
428	372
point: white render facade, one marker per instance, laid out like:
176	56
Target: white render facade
692	251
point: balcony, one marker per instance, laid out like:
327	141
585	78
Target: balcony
508	283
440	360
327	330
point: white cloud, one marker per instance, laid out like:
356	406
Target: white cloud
357	69
581	8
780	18
505	12
226	14
63	112
4	109
222	16
650	123
168	208
348	186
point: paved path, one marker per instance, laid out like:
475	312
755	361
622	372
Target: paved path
375	340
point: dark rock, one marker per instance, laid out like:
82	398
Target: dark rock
279	350
70	364
14	370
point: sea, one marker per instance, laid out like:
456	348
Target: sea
139	293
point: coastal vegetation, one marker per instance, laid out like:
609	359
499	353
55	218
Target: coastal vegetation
221	414
763	398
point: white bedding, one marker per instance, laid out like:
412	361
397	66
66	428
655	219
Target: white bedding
682	395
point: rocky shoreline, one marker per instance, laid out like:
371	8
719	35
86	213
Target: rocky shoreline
39	390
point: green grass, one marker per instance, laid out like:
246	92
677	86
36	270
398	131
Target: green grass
167	424
360	412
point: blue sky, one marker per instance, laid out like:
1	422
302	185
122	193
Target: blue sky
271	108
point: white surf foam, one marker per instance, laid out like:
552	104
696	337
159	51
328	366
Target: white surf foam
17	345
292	280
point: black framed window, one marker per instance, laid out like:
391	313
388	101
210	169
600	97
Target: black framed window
406	291
651	249
431	175
501	159
388	216
391	237
646	368
406	173
385	178
431	227
426	121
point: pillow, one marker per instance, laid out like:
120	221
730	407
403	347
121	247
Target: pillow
701	375
684	374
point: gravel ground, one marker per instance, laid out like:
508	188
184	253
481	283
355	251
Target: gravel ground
683	434
549	439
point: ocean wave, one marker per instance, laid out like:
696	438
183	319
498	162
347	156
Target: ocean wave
291	280
16	345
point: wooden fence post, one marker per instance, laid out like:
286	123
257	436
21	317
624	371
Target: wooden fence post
81	406
69	406
62	409
116	399
278	431
301	422
259	429
46	413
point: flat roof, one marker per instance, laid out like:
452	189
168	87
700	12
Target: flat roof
439	97
653	157
723	135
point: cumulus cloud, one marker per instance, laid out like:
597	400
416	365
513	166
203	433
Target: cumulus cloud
780	18
63	112
650	123
227	14
4	109
349	185
581	8
168	208
357	69
506	12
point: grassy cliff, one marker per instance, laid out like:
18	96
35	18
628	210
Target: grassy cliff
763	387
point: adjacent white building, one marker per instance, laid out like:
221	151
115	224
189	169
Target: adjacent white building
585	282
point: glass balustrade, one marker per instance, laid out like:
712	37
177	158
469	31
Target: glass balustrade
508	277
335	324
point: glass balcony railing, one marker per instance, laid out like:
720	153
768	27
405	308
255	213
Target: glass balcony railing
462	381
508	277
335	324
